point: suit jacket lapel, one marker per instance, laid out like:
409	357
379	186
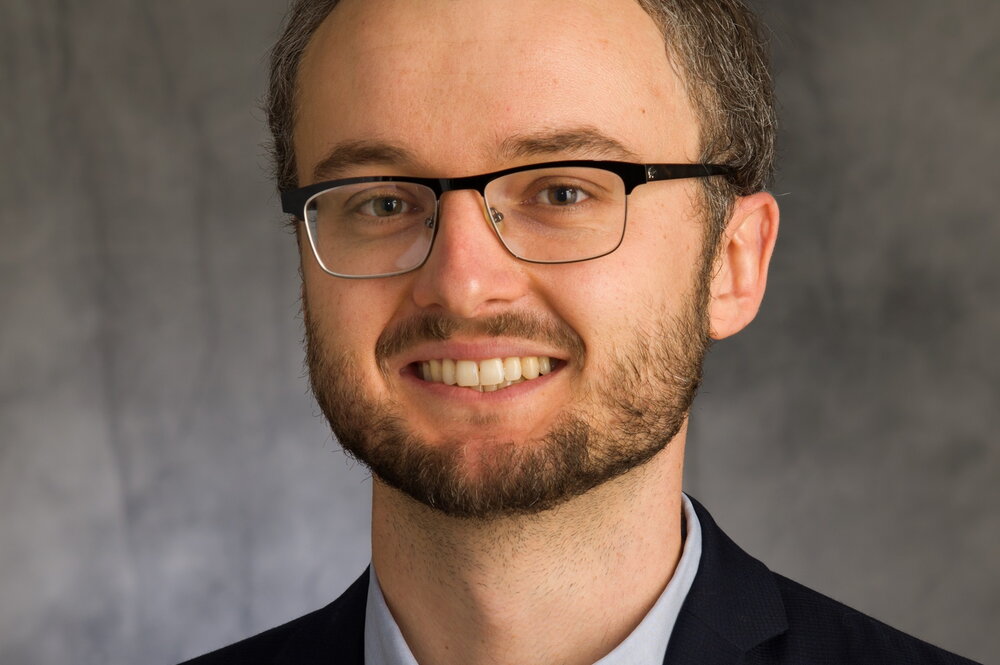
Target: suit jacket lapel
733	605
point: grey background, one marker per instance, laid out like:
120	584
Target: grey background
165	486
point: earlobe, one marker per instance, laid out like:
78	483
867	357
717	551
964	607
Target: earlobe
740	275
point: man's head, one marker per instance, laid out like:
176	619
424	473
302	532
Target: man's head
440	89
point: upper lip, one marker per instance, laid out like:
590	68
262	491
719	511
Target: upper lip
475	350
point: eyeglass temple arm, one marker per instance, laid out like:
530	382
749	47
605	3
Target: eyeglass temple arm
655	172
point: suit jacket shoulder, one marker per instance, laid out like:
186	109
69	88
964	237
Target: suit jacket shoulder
739	611
818	624
332	635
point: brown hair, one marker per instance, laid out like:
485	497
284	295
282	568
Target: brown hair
723	58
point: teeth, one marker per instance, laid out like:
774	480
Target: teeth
436	370
490	372
467	372
448	372
486	375
512	368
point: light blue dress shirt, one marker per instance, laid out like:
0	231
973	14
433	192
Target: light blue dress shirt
647	644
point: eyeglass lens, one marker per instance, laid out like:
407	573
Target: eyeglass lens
542	215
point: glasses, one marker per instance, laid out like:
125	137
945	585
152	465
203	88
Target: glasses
553	212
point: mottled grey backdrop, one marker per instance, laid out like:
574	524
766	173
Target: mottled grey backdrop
165	486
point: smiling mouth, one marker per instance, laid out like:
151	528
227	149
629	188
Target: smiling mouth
485	375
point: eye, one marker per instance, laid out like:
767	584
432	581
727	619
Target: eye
384	206
561	195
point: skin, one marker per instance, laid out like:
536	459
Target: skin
566	585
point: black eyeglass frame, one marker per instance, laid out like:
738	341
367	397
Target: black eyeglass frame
294	201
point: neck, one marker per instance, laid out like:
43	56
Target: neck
566	585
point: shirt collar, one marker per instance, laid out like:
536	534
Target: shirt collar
384	643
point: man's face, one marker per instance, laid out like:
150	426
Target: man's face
448	89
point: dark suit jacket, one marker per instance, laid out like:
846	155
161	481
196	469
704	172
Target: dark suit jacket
737	611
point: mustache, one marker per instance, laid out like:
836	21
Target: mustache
438	327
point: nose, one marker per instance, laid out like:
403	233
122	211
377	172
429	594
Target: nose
469	273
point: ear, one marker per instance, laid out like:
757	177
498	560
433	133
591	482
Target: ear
740	274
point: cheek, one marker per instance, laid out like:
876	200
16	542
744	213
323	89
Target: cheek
347	315
666	238
604	301
651	276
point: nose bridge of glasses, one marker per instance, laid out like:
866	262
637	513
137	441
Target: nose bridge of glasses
454	200
452	186
451	198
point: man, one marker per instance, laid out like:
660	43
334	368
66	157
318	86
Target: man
521	224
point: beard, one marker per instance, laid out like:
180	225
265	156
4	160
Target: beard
637	407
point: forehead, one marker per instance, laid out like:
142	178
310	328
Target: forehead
450	81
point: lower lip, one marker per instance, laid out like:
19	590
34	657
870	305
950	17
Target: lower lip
472	395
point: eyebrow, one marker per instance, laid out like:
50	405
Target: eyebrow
579	142
345	156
